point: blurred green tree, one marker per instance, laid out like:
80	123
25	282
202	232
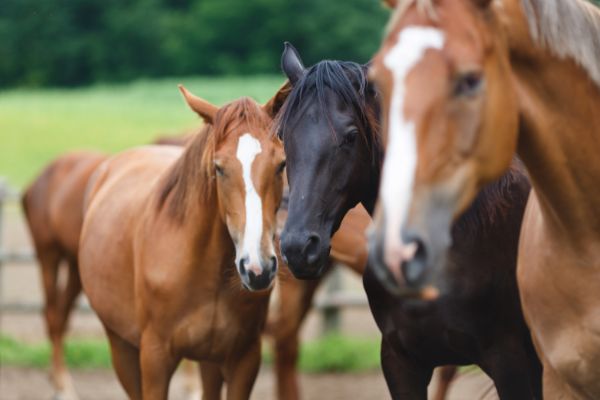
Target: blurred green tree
74	42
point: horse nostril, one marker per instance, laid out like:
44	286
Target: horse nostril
311	250
273	263
415	268
243	262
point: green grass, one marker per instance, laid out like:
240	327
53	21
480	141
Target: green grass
38	125
337	353
78	353
333	353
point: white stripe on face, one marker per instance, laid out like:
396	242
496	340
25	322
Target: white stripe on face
401	155
247	150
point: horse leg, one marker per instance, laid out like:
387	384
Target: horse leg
126	361
191	373
406	379
286	356
510	369
241	374
212	380
295	301
157	365
65	301
447	373
49	258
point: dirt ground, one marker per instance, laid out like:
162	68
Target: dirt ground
32	384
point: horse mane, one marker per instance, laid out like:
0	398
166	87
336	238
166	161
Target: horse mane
567	28
191	178
495	202
340	77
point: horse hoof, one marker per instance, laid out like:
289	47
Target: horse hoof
65	396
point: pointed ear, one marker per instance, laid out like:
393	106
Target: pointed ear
273	106
202	107
391	3
291	63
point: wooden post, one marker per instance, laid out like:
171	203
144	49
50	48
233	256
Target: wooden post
3	195
331	310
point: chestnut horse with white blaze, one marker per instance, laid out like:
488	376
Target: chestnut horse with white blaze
466	83
53	207
177	255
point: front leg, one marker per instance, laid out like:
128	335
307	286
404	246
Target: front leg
157	365
406	379
240	373
515	374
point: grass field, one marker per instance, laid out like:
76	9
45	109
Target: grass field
331	353
38	125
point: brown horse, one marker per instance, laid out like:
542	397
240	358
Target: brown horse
165	231
53	206
59	190
466	83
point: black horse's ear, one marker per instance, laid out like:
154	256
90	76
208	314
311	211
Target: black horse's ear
291	63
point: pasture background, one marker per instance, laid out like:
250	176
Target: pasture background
37	125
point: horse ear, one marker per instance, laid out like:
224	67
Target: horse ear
202	107
391	3
273	106
291	63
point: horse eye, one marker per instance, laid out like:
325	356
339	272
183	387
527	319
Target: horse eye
468	84
219	170
280	168
350	137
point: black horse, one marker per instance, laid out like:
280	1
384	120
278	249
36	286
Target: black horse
330	130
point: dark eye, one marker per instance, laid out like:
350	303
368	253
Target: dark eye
219	170
350	137
280	168
468	84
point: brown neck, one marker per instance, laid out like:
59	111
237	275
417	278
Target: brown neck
559	138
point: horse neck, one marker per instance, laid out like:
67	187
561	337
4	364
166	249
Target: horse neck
199	223
559	128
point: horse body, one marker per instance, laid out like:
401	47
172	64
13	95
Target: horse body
53	206
163	230
559	243
477	319
537	63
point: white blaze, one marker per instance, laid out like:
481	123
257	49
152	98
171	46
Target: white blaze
247	150
401	154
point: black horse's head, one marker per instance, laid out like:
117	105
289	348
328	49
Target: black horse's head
331	138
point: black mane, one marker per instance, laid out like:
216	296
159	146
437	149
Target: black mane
349	81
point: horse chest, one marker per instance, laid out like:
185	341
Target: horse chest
226	326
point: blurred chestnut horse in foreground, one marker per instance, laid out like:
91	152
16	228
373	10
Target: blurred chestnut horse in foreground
483	79
53	206
330	128
177	255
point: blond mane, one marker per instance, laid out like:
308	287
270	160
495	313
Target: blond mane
567	28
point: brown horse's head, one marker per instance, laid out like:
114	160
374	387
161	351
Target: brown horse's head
246	162
450	126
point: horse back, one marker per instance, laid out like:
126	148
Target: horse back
53	203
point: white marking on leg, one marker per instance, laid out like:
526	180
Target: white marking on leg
247	150
401	155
